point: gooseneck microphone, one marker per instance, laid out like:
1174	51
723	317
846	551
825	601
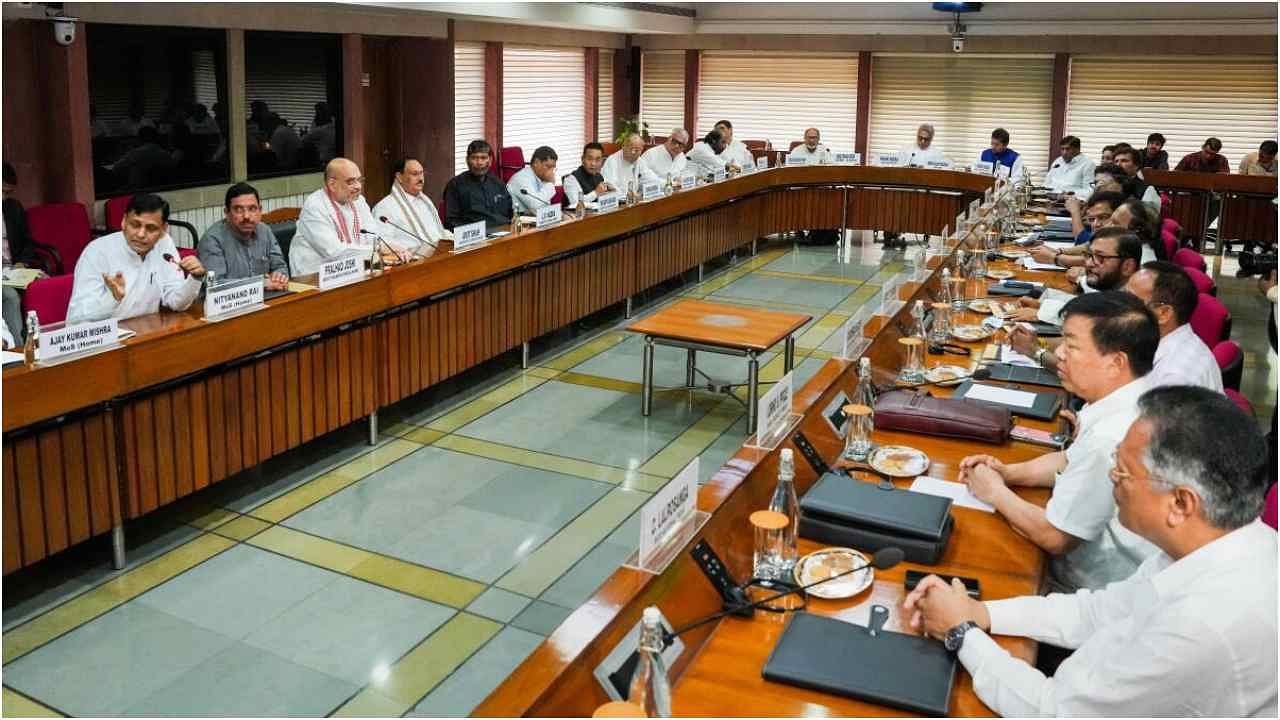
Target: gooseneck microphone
384	219
378	241
169	258
526	193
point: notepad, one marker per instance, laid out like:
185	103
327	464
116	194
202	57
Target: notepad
20	278
958	492
1003	396
1031	264
7	357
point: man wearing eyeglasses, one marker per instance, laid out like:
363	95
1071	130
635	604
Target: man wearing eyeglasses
666	160
1182	358
335	220
241	245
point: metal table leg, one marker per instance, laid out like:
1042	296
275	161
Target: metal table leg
373	428
789	355
753	391
117	547
689	367
646	393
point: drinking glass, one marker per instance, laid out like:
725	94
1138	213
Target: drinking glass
940	331
857	443
770	544
913	364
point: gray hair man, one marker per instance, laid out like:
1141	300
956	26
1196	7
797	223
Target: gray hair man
666	160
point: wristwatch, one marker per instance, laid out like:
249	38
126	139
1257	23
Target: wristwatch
1039	356
955	636
1055	258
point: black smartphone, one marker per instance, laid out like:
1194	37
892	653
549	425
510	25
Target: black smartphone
970	584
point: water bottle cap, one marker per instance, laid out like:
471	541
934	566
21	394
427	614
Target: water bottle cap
787	455
652	615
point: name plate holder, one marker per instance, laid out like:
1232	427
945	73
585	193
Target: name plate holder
60	342
233	298
890	304
469	236
548	215
983	168
606	202
847	158
719	175
688	181
887	160
939	246
668	521
794	160
343	270
762	162
854	340
973	208
774	419
938	164
650	191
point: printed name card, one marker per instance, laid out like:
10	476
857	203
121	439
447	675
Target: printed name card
844	157
343	270
650	191
1002	172
607	201
973	209
982	168
468	236
938	164
774	411
233	298
793	159
665	512
76	339
748	168
762	162
887	159
688	181
548	215
854	342
719	174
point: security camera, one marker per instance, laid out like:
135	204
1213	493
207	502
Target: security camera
64	29
957	43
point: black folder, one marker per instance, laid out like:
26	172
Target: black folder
908	672
1044	407
1044	329
1023	374
841	510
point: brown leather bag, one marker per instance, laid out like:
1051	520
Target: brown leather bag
919	412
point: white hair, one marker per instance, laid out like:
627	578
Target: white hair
926	126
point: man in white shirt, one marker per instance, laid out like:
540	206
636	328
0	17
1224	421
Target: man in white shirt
1112	257
923	151
1182	358
666	160
135	271
735	152
1193	632
410	218
1070	172
623	168
1130	161
336	220
812	149
707	155
587	177
1109	340
535	184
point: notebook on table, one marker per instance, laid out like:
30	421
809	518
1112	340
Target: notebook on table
1038	405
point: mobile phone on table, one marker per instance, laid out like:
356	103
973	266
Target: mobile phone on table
1057	441
971	585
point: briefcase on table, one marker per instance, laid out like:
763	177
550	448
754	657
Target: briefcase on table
844	511
920	412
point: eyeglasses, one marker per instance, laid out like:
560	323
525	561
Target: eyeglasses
1099	258
1118	475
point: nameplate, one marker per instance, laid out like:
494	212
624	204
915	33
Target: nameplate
75	339
548	215
938	164
748	168
887	159
854	342
607	201
667	510
847	158
762	162
982	168
719	174
960	222
794	159
774	411
650	191
233	298
1002	172
346	269
986	196
973	208
468	236
688	181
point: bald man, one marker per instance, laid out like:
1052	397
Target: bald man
624	169
336	219
812	149
666	160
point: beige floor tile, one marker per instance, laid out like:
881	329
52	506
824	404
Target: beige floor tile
419	581
16	705
242	528
423	667
585	352
487	402
690	443
309	548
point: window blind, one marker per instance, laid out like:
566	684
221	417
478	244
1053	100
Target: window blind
1115	99
662	91
965	98
543	102
776	96
468	99
604	98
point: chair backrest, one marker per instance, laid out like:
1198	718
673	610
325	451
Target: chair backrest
49	297
1166	206
557	198
1209	321
794	144
1230	361
279	215
284	231
610	148
1269	508
1170	243
115	212
64	227
1241	401
510	161
1204	283
1188	258
757	144
1170	225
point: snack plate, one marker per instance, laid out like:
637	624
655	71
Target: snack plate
899	461
971	333
1000	274
981	305
830	561
946	375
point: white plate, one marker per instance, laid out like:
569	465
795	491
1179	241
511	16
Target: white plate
981	305
899	461
946	375
971	333
846	587
1000	274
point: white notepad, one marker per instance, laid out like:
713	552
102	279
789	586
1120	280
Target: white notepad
1004	396
958	492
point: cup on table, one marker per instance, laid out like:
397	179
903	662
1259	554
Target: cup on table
913	360
769	558
857	442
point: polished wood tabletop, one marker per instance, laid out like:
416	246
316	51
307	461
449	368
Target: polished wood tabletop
728	326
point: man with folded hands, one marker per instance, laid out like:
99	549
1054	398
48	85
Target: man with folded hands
1193	631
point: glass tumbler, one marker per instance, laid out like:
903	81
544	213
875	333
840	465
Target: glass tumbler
771	548
913	362
857	442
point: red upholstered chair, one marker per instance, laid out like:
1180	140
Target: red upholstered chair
62	226
510	160
758	144
1204	283
1211	320
795	144
1188	258
440	210
115	212
1172	226
49	297
1170	243
1241	401
1269	508
557	198
1231	361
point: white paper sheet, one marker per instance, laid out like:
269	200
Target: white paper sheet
1013	357
958	492
1031	264
7	357
1059	245
1004	396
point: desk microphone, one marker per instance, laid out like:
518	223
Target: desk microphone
377	240
169	258
406	231
526	193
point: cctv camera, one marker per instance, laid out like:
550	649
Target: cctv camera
64	30
957	43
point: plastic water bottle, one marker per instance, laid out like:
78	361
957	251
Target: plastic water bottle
784	501
33	338
650	686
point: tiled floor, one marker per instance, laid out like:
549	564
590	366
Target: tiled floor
412	577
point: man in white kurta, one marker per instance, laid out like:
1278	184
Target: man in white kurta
623	168
1071	171
923	151
1192	633
414	223
135	271
707	155
336	220
812	149
535	185
1182	358
735	152
666	160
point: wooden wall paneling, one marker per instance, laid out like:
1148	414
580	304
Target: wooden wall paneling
417	370
692	74
184	424
262	407
1058	116
342	345
30	504
75	468
306	394
246	390
430	333
231	416
493	98
279	403
219	424
202	429
332	384
590	92
12	518
101	478
372	356
163	431
391	382
1248	217
353	126
144	428
54	492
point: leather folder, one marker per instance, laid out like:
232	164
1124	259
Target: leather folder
868	663
1044	407
845	511
1023	374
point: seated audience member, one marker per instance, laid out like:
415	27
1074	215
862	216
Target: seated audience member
1086	218
1109	340
1262	162
1134	216
1070	172
148	163
1114	255
535	184
322	138
1182	358
336	220
201	122
587	182
1108	154
135	271
623	168
20	248
923	151
666	160
475	194
812	149
414	221
1001	154
735	152
706	155
1153	155
240	245
1208	159
1129	160
1193	631
285	142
